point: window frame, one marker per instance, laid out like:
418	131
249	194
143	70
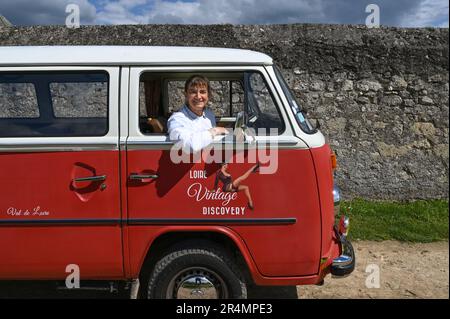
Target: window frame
107	141
135	75
45	100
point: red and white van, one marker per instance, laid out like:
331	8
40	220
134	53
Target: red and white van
90	178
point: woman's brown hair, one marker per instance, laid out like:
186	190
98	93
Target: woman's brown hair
197	80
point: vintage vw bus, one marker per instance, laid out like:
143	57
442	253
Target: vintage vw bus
91	180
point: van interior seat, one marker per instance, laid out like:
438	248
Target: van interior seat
158	125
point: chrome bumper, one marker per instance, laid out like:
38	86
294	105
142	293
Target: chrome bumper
345	263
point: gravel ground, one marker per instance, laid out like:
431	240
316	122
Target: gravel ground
406	270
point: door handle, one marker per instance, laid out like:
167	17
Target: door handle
143	176
98	178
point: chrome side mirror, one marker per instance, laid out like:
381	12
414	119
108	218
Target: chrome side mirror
239	127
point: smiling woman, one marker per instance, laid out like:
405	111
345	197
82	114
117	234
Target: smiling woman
194	126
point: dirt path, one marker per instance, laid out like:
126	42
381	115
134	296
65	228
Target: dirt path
405	271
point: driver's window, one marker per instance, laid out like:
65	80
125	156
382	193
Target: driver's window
162	94
262	111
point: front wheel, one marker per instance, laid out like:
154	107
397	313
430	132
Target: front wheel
196	273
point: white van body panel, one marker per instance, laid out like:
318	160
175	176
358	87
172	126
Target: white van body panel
128	55
48	58
106	142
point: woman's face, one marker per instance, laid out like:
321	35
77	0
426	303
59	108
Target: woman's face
197	98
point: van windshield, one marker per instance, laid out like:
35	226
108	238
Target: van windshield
302	121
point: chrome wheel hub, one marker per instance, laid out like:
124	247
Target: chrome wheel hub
197	283
197	287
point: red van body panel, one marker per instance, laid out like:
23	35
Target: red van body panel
277	250
94	243
323	167
49	222
322	163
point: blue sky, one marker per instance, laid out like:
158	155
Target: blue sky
399	13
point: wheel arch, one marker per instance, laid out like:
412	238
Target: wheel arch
232	244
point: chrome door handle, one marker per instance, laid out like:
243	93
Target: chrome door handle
90	179
143	176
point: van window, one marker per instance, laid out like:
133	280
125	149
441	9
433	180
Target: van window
18	100
162	94
53	104
79	99
300	114
261	109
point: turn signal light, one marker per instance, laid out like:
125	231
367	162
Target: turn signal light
333	161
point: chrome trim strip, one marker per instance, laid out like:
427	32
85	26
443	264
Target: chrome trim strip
167	145
59	222
149	143
215	221
34	148
281	141
150	221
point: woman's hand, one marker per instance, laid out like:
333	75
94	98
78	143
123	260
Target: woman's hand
218	131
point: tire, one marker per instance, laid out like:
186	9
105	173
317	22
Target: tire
196	272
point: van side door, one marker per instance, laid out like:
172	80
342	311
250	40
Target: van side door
165	192
59	173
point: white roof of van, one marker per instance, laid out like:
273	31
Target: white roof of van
127	55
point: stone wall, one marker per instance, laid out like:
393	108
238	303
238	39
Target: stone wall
380	95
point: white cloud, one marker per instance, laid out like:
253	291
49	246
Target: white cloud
429	13
255	11
120	12
211	12
444	24
132	3
200	12
28	12
409	13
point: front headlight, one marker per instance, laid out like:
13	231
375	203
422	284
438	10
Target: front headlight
336	199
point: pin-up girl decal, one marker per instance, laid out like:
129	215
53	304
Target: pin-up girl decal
235	186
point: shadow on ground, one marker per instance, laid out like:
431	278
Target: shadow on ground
50	290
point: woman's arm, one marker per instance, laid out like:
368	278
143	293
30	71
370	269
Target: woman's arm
180	129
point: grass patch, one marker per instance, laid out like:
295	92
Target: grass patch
418	221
